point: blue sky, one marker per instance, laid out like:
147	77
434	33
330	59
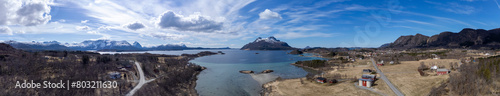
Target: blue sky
233	23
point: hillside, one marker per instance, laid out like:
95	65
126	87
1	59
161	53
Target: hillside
467	38
17	65
269	43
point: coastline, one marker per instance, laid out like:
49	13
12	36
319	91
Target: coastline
267	89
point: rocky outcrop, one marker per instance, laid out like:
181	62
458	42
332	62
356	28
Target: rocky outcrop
246	71
467	38
267	71
296	51
269	43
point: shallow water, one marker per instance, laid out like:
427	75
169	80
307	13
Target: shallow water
222	78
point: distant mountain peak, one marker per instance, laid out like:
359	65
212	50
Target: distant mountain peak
268	39
270	43
137	45
466	38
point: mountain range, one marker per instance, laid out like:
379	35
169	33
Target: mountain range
269	43
99	45
466	38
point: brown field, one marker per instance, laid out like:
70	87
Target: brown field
293	87
407	79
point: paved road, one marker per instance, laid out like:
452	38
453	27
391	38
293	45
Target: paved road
394	89
142	80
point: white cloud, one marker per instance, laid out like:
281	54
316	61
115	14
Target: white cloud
83	28
496	2
84	21
201	19
196	23
5	30
61	20
459	9
454	7
167	36
293	35
424	23
92	32
265	28
104	28
435	17
135	26
268	14
27	13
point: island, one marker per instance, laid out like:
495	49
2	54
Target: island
269	43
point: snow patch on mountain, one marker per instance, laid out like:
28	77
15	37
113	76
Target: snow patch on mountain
268	39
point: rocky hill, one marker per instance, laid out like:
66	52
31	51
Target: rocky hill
269	43
467	38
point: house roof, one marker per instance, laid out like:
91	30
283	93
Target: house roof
442	70
369	70
321	78
367	76
365	79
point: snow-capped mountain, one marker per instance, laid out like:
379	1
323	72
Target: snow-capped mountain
102	44
137	45
169	47
268	39
33	45
269	43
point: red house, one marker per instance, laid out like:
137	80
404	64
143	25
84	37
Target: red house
321	80
442	71
365	82
380	64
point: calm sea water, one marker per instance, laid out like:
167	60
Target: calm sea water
222	77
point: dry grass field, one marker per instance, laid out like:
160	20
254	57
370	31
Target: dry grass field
293	87
407	79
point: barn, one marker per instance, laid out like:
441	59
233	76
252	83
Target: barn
442	71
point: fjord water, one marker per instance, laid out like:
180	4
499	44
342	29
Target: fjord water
222	77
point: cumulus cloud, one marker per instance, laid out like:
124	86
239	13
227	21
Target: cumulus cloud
5	30
27	13
268	14
84	21
196	23
135	26
83	28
